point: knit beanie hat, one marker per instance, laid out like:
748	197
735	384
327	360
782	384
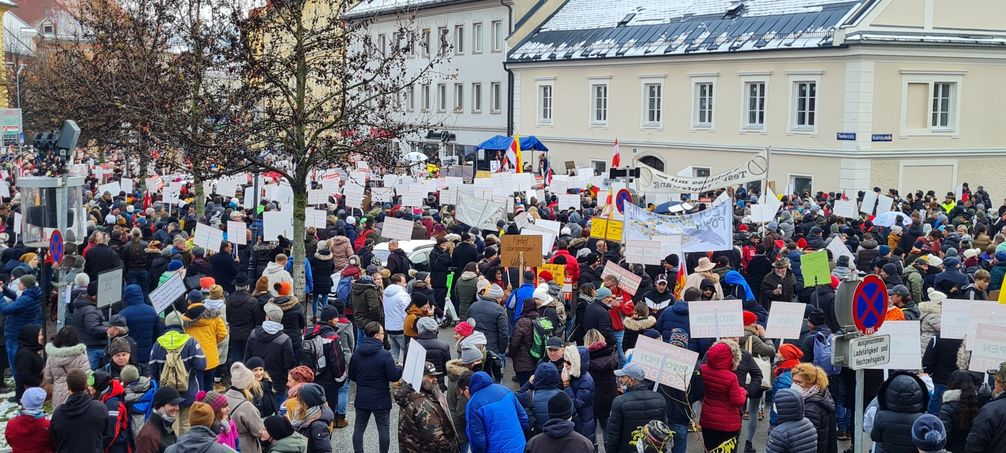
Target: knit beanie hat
495	292
241	376
216	400
679	337
465	328
33	398
560	406
99	380
302	374
427	324
278	427
254	362
470	356
216	292
129	374
119	344
174	265
929	434
750	318
273	313
285	288
207	282
166	395
312	394
201	414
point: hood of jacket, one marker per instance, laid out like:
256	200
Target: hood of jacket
199	439
363	285
639	325
64	352
28	335
133	295
479	381
951	395
869	244
286	303
468	275
788	405
546	376
323	255
340	241
274	268
368	346
455	369
903	393
930	308
584	359
680	308
77	404
204	319
724	355
824	399
557	428
82	301
173	339
393	291
294	443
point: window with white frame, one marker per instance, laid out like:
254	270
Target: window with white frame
459	39
942	109
412	44
477	37
444	43
545	102
495	97
702	116
459	97
653	98
804	105
754	105
497	31
410	98
425	43
441	97
426	97
476	98
382	41
598	103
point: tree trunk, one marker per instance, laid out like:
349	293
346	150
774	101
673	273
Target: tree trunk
197	185
298	252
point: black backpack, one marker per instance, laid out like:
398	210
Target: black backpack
323	355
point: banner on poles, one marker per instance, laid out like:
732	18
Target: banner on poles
708	230
653	181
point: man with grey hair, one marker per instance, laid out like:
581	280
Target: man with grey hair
491	319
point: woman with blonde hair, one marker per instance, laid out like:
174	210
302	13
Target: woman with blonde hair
260	392
819	406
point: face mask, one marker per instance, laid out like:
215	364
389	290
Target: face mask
796	387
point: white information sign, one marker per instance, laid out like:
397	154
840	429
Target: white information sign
870	351
989	348
716	319
237	232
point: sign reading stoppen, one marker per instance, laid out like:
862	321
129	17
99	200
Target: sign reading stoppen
869	351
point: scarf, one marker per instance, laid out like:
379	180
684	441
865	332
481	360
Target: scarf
786	365
810	392
33	413
313	413
271	327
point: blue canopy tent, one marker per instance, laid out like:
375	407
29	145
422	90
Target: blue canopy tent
502	143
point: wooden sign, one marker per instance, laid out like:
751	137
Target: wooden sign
516	246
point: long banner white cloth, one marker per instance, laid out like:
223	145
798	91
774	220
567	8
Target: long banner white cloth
708	230
751	170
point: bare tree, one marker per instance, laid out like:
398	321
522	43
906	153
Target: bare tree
322	94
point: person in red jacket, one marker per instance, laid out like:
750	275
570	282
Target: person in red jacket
621	305
572	267
724	397
28	432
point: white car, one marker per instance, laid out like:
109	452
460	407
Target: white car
418	252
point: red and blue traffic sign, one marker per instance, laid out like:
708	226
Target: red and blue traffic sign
623	196
869	304
56	247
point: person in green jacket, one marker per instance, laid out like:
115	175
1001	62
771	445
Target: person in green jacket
282	437
466	288
174	267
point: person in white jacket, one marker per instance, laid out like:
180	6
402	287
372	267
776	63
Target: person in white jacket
276	272
396	301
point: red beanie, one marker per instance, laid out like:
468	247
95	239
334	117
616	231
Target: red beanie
801	243
464	329
790	352
546	275
743	227
750	318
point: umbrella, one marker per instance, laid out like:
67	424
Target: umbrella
415	156
889	219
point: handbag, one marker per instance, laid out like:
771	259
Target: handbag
763	365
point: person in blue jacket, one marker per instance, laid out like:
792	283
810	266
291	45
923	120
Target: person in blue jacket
373	369
308	275
534	395
143	323
676	317
495	419
22	310
581	390
515	304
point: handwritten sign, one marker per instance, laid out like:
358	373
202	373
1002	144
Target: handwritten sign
516	246
353	195
816	270
785	320
208	237
905	351
715	319
558	271
397	229
109	287
163	296
237	232
665	364
989	347
606	229
628	281
643	252
846	208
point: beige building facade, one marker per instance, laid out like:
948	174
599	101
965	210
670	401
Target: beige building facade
903	94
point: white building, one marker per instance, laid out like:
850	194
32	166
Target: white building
467	95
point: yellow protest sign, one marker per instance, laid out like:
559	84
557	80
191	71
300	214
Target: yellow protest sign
558	272
614	232
606	229
598	227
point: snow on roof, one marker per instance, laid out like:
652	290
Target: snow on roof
585	29
378	7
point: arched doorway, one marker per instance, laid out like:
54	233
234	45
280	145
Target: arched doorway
653	161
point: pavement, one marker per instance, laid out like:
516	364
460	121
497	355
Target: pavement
342	439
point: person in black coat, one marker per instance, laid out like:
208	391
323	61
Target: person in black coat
223	268
373	369
243	314
960	405
591	271
465	252
596	315
322	268
440	266
78	424
28	364
100	257
637	407
438	352
269	343
902	399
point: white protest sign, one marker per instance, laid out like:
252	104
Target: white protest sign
208	237
550	225
715	319
277	223
4	190
989	347
237	232
112	188
353	194
170	195
415	364
669	245
955	317
126	184
884	204
109	287
397	229
413	197
227	187
665	364
559	185
382	194
17	223
524	181
315	218
547	237
317	196
449	195
154	184
846	208
628	281
987	313
168	292
869	202
522	220
785	320
905	351
249	197
643	252
838	248
763	213
569	201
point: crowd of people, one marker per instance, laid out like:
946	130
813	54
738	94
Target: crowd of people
537	364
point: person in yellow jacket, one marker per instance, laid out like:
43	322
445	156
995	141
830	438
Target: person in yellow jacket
208	329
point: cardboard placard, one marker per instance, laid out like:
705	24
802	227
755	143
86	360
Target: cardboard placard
606	229
317	197
665	364
558	271
276	223
317	218
785	320
208	237
569	201
627	281
815	268
514	246
846	208
715	319
237	233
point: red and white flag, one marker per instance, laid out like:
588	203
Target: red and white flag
616	157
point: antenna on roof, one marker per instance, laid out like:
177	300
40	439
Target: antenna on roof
735	9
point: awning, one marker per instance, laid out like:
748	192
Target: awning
502	142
